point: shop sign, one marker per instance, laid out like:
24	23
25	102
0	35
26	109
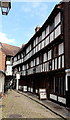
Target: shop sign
42	94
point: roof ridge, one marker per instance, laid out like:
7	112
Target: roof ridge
10	45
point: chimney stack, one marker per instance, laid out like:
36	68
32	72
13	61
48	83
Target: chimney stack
37	28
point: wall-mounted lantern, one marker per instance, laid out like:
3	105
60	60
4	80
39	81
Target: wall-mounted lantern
5	6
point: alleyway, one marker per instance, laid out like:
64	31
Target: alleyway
16	105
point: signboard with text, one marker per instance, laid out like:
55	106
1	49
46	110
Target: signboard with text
25	88
42	93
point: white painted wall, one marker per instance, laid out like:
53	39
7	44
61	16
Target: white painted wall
2	79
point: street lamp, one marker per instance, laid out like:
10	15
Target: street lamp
5	6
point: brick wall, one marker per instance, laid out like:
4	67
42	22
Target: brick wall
2	61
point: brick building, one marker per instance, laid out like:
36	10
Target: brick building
6	54
44	62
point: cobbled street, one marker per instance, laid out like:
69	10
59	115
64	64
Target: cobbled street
16	105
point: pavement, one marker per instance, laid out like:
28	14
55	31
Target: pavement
59	110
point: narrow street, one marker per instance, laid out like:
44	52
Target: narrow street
16	105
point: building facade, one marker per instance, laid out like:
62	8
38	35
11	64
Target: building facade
44	61
6	54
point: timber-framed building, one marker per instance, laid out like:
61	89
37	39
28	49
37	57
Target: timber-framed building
44	62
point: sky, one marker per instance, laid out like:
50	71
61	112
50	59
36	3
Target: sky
19	25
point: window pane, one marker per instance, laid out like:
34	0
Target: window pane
52	25
57	19
61	49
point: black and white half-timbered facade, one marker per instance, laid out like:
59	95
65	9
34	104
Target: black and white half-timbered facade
44	62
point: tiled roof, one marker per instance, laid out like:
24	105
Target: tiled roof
20	50
10	49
